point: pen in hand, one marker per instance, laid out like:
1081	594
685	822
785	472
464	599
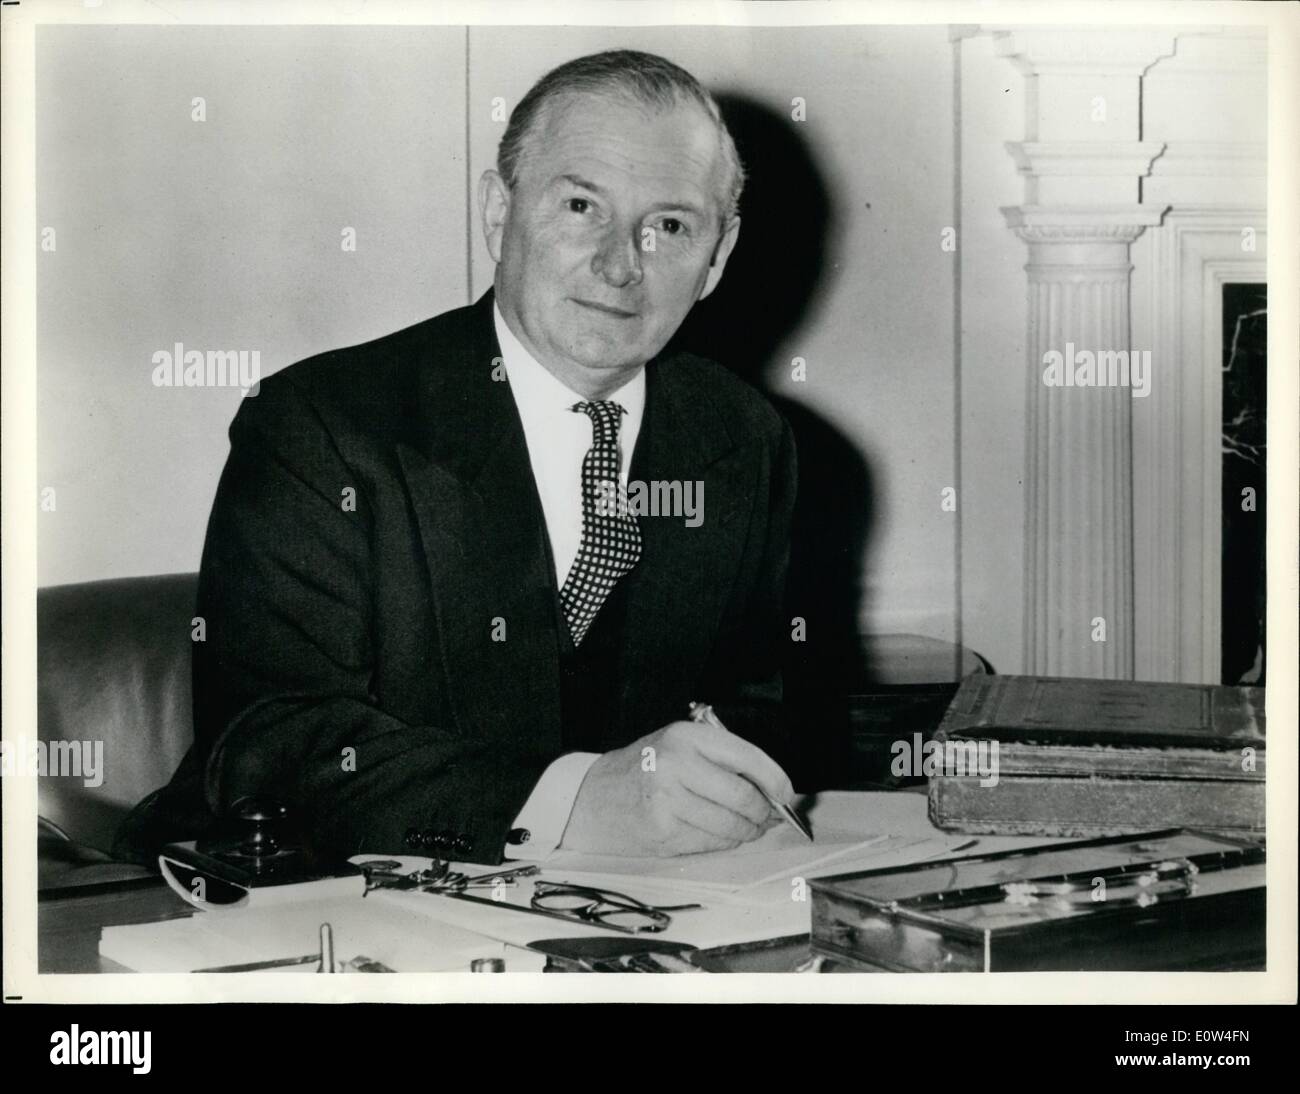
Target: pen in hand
703	713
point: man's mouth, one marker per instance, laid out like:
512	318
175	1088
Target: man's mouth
607	309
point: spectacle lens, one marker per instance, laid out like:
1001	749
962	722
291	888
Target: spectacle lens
598	906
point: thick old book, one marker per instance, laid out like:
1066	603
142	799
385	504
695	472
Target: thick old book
1069	757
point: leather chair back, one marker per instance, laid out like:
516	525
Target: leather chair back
113	665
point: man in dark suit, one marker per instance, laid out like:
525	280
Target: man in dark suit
436	618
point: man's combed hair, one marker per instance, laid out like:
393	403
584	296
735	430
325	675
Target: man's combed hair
644	77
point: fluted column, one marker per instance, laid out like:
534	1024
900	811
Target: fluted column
1082	159
1079	463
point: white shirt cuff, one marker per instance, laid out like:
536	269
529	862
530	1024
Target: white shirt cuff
545	814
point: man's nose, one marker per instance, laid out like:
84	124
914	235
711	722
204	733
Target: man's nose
618	258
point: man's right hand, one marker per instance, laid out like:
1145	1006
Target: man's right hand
685	788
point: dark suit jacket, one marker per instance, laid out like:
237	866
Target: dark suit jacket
350	668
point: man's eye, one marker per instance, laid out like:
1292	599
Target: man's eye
578	205
672	226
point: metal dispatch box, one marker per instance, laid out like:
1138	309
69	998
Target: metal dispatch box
1173	899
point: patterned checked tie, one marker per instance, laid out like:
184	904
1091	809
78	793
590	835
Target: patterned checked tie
611	540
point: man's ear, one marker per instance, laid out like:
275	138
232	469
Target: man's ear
493	208
721	252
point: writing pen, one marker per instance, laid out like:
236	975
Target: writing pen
703	713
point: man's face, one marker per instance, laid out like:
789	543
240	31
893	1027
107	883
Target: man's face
610	235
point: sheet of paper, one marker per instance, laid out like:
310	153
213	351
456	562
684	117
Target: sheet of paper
383	932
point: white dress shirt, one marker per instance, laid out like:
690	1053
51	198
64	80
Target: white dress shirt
558	439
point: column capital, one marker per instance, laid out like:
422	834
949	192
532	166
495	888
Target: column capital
1082	223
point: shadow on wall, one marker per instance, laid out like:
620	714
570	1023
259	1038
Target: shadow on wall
781	262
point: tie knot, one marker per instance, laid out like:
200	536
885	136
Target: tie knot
604	416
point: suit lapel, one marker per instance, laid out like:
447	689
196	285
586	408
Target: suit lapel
677	592
480	519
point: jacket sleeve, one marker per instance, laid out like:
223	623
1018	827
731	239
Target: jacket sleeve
748	662
283	702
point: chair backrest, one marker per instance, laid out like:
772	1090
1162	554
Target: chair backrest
113	667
